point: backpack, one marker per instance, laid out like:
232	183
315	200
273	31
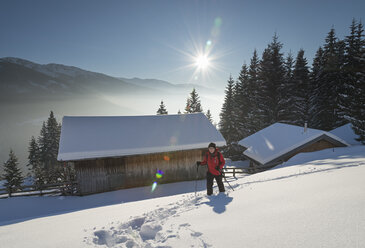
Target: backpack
218	155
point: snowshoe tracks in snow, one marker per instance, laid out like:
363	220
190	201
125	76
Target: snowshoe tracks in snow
149	231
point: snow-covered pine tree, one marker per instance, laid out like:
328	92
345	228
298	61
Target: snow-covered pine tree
42	143
350	68
162	109
316	97
358	107
341	113
12	174
34	156
37	167
255	115
209	116
287	89
40	176
193	104
330	85
53	138
241	103
271	76
226	124
303	90
48	142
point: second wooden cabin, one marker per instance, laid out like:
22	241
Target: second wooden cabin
279	142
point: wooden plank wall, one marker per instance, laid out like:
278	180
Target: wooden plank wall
317	146
100	175
107	174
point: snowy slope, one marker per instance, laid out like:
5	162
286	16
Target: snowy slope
314	200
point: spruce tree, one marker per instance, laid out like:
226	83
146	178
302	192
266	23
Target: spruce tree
342	84
271	77
226	123
255	115
287	89
162	109
53	134
40	177
358	104
317	97
48	142
43	144
241	103
37	167
12	174
34	153
303	90
209	116
351	69
193	104
330	85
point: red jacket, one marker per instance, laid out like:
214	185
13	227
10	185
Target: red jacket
214	160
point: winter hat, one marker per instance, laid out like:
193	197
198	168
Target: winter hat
212	145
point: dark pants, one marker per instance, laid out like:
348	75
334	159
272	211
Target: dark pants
218	179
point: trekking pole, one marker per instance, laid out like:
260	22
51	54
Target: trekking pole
196	179
225	179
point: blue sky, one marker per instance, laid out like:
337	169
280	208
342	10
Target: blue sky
157	39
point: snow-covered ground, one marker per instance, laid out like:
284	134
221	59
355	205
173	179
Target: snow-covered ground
313	200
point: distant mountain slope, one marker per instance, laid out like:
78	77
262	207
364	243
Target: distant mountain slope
21	79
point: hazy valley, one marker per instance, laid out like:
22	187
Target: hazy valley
29	91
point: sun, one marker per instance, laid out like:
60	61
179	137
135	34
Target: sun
202	62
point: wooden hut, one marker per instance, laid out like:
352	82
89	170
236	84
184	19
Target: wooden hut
279	142
117	152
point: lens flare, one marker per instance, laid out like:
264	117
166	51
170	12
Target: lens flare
154	185
202	54
173	140
159	174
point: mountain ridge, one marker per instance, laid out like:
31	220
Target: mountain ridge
67	76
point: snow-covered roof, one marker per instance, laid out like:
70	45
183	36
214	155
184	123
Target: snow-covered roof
279	139
346	133
113	136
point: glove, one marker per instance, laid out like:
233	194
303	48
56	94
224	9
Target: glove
198	163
